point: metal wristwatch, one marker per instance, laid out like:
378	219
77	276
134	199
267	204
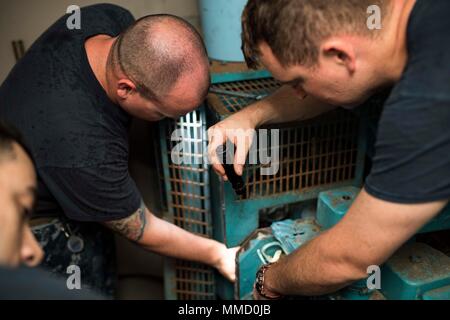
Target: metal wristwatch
259	284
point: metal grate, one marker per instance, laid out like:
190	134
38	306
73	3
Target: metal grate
187	190
228	104
314	153
194	281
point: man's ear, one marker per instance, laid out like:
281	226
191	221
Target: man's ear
125	88
341	52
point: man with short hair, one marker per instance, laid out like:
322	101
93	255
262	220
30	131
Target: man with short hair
325	54
17	194
19	249
72	97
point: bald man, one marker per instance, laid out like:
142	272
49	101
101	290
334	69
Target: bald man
72	96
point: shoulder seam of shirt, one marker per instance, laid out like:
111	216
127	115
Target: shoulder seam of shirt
395	198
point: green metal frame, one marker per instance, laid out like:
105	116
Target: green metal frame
415	272
234	219
242	212
217	78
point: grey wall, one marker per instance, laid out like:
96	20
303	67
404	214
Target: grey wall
27	19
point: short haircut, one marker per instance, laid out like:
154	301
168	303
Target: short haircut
294	29
8	136
153	66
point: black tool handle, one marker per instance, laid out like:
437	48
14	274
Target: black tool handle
236	181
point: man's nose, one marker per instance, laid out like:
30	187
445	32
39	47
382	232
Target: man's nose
31	252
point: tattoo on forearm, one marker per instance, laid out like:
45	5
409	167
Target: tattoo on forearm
132	227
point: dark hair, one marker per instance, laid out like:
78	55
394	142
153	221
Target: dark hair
294	29
155	65
8	136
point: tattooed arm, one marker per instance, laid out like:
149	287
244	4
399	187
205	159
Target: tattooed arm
132	227
162	237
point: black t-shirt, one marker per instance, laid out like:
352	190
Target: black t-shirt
78	137
412	152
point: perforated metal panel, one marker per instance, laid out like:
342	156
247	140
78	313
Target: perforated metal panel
189	183
188	203
193	281
313	154
225	105
317	153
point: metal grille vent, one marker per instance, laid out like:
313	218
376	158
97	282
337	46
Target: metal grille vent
187	190
228	104
314	153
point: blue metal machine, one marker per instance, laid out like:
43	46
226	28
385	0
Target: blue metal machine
187	193
284	211
416	272
315	155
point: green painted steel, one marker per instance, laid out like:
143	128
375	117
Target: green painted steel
438	294
415	272
441	222
217	78
188	203
235	219
334	204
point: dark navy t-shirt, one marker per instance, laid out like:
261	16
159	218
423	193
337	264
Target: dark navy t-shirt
412	152
78	137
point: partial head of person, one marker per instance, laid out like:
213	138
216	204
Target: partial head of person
159	68
340	52
17	194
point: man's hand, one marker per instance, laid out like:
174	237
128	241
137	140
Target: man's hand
238	129
226	263
164	238
282	106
